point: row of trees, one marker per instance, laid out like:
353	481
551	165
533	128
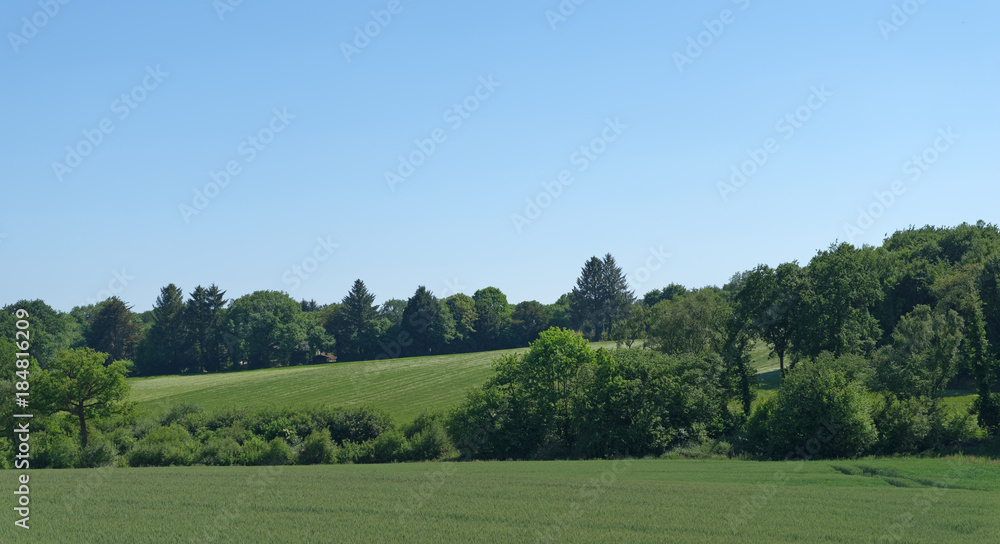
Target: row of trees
208	333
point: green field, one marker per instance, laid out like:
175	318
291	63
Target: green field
404	387
573	501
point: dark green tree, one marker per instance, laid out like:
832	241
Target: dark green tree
204	319
164	348
766	302
355	325
51	330
492	318
601	297
463	311
428	324
113	330
528	320
268	328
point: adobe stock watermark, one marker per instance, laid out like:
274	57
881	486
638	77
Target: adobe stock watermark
562	12
787	126
225	7
900	15
915	168
454	117
123	106
700	42
302	271
116	285
249	148
654	262
363	35
582	158
30	26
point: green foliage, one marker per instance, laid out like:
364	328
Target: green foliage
54	450
693	323
427	324
268	327
925	353
359	424
113	330
166	446
98	453
219	451
528	320
318	448
79	383
842	285
601	297
822	409
162	351
492	318
355	326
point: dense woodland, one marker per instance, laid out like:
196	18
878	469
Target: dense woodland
867	339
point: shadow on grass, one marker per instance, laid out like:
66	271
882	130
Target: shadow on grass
768	381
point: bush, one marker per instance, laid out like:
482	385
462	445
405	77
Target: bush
98	453
903	425
219	451
256	452
318	449
252	452
353	452
359	424
182	413
166	446
430	443
389	447
820	412
53	450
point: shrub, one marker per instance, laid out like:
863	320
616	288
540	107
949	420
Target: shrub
53	450
903	425
256	452
166	446
219	451
252	452
821	411
430	443
353	452
318	449
186	414
389	447
98	453
359	424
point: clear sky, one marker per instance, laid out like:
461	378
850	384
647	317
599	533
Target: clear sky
313	104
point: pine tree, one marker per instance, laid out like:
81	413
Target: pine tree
114	330
355	325
164	348
601	297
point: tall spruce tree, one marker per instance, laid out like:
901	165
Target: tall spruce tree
163	349
601	297
355	325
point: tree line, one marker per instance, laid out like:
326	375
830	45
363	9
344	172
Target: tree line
209	333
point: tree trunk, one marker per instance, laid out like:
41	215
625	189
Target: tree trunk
83	426
781	363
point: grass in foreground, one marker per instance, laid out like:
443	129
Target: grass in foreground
569	501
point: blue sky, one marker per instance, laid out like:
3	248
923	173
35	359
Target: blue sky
186	89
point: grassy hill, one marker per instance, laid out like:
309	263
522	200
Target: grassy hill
405	387
894	500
